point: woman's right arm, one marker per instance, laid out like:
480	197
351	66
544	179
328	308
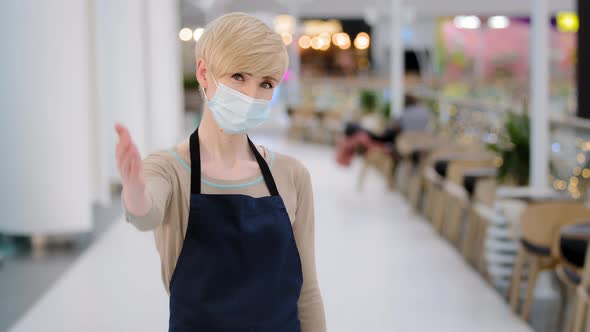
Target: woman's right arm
146	184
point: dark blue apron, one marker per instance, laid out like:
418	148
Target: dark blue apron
239	268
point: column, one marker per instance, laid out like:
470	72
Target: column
44	122
539	87
138	74
163	69
584	59
397	59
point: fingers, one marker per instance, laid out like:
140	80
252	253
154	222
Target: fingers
122	150
123	133
137	167
127	157
123	146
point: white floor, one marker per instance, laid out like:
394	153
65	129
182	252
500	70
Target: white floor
380	269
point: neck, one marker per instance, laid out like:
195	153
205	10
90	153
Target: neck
218	146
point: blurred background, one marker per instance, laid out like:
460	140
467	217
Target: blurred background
448	144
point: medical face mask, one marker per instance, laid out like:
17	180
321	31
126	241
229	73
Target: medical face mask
236	112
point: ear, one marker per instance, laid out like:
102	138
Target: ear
202	72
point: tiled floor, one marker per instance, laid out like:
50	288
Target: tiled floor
26	275
380	269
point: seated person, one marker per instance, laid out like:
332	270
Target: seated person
414	118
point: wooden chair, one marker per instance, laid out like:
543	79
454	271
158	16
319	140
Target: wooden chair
456	198
382	159
302	118
411	146
457	163
332	126
424	198
573	270
473	242
382	162
539	225
418	185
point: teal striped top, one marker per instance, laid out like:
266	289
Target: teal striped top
225	186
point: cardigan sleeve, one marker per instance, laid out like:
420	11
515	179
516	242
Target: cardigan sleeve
310	305
159	187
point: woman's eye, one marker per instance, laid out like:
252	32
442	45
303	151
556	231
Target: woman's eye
266	85
238	77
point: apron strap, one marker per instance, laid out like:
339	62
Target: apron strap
195	162
268	178
195	151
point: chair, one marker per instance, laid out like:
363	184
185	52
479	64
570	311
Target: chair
414	161
456	196
571	247
539	226
331	125
450	170
302	119
380	160
472	244
411	148
428	178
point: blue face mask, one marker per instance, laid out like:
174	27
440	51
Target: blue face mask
235	112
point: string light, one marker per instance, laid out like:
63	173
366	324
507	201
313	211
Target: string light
342	40
498	162
287	38
185	34
305	42
467	22
362	41
498	22
568	22
198	33
574	181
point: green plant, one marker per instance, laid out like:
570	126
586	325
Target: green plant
368	101
386	110
190	82
513	146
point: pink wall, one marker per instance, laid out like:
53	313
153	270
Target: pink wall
509	46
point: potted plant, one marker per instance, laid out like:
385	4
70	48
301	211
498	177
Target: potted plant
513	146
368	101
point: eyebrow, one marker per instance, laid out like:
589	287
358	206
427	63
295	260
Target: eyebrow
264	78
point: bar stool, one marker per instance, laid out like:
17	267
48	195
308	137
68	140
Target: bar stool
539	226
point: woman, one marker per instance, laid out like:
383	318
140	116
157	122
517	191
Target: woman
233	222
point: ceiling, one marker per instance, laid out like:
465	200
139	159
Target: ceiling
193	10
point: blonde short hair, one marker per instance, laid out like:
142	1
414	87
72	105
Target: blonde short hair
238	42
